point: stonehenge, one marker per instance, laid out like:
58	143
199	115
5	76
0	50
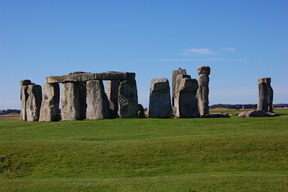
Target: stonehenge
203	89
82	97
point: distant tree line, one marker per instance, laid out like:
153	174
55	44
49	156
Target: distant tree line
7	111
243	106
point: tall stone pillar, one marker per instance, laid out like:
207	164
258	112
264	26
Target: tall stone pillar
175	73
97	101
160	100
112	87
265	101
73	101
186	103
50	103
127	99
203	90
33	103
23	97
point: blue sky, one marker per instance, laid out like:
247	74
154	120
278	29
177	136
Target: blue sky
241	40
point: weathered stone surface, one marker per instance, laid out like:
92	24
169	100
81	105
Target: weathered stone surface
203	90
160	100
73	101
257	113
186	103
23	97
112	87
33	102
50	103
97	101
25	82
127	99
269	96
175	73
84	76
140	111
263	95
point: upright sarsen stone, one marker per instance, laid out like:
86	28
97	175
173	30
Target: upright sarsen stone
50	103
23	97
112	87
97	101
265	100
175	73
203	90
33	102
73	101
270	96
160	100
186	103
127	99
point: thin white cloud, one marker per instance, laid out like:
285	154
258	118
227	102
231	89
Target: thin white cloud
229	49
205	51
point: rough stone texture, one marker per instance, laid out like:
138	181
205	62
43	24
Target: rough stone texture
175	73
25	82
23	97
127	99
160	100
263	95
83	76
257	113
112	87
203	90
140	111
186	103
33	102
97	101
50	103
269	96
73	101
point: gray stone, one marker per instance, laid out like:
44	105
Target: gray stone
269	96
160	100
25	82
175	73
50	103
186	103
23	97
215	115
73	101
112	87
203	90
84	76
257	113
33	102
263	95
140	111
127	99
97	101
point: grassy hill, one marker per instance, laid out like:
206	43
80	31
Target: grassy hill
249	154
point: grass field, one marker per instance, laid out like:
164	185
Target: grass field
235	154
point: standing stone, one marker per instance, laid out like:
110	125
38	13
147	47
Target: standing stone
186	103
50	103
112	87
175	73
270	95
203	90
23	97
73	101
33	102
127	99
97	101
265	101
160	100
140	111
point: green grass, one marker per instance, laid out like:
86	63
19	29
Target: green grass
235	154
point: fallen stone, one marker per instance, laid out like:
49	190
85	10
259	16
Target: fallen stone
97	101
50	103
160	100
257	113
127	99
33	102
215	115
